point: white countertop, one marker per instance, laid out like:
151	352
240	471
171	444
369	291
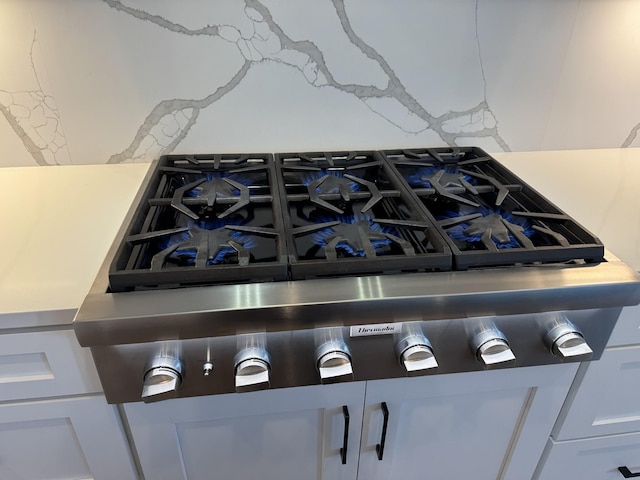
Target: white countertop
47	271
57	225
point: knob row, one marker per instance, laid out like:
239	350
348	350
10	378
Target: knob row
163	375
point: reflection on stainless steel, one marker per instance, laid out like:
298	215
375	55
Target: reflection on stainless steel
107	318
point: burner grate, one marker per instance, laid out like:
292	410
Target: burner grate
207	219
486	214
345	214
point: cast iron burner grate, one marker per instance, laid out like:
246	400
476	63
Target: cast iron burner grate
487	215
205	219
345	214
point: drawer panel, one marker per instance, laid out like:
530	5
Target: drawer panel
627	330
592	459
45	364
606	402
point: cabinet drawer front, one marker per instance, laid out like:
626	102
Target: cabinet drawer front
592	459
45	364
606	402
627	330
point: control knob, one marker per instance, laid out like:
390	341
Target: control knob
162	379
416	354
566	342
334	361
491	348
252	366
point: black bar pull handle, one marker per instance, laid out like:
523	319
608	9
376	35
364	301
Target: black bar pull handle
345	439
626	473
383	437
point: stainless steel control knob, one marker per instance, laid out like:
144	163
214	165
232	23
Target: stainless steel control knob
334	362
162	379
492	349
252	368
566	342
416	354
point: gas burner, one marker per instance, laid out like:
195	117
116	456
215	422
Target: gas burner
204	243
331	180
344	185
493	229
334	181
446	177
444	180
208	190
356	235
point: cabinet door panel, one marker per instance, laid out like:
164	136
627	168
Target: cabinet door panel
592	459
45	364
63	439
607	401
627	329
482	425
285	433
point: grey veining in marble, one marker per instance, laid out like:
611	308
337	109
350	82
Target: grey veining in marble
270	42
35	119
632	140
131	80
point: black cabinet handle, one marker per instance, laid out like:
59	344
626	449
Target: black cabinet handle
626	473
383	438
343	450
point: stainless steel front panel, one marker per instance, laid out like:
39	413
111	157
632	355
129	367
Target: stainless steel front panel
110	319
293	362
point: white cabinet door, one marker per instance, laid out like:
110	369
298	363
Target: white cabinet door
482	425
270	435
607	401
45	364
627	329
592	459
63	439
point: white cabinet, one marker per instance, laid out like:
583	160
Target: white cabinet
598	429
45	364
63	439
607	401
271	435
593	459
52	423
482	425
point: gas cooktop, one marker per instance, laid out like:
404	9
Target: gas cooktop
241	218
248	271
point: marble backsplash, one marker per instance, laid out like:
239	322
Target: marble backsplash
109	81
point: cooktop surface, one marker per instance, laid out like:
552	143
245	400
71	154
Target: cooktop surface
242	218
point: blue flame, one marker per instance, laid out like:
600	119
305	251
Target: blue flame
420	177
216	228
458	231
212	176
324	236
311	177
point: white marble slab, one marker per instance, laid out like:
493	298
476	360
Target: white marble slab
30	122
129	80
